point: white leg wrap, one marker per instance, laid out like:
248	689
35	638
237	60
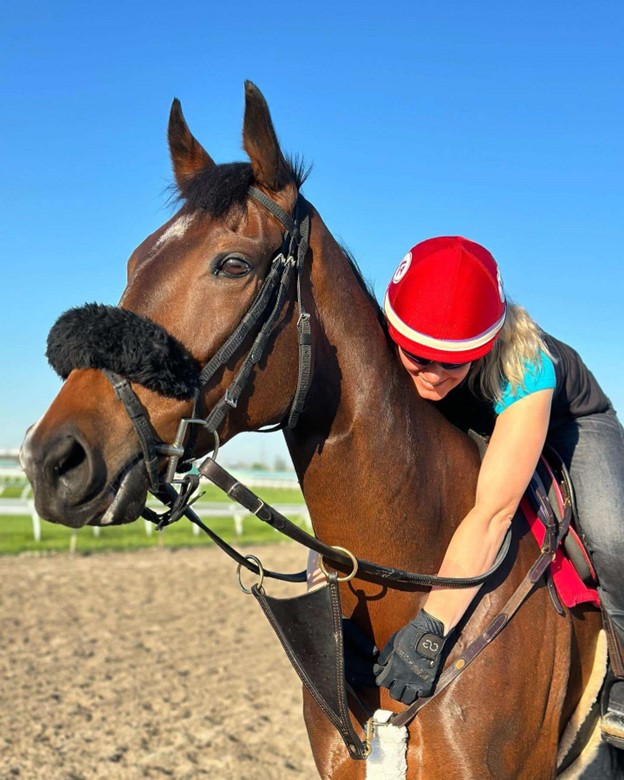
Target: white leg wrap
388	759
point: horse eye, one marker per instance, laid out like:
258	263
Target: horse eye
234	267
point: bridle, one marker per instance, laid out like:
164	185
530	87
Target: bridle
179	493
264	310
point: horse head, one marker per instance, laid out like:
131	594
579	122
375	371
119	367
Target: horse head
189	286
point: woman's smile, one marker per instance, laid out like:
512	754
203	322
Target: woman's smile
432	381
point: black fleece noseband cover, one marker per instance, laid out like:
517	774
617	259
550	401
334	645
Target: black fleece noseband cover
98	336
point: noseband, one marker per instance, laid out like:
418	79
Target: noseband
127	347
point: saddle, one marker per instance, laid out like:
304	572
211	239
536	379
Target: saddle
571	577
571	573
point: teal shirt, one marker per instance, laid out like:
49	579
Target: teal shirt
538	376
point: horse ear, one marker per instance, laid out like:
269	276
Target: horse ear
261	144
188	156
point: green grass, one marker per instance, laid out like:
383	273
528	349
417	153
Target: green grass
16	535
13	491
211	493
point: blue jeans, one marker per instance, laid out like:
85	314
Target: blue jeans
592	448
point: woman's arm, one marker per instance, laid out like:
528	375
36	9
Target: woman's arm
510	460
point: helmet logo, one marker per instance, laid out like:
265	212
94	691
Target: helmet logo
501	290
402	268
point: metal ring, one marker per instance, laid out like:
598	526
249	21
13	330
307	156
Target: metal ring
261	572
215	449
353	560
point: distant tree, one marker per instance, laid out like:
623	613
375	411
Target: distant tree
280	464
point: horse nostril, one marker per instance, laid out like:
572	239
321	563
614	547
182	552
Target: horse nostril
69	469
71	461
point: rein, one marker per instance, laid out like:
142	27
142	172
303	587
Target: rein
289	260
263	313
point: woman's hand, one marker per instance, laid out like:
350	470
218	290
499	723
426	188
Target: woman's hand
410	662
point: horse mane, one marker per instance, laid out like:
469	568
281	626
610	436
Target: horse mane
367	287
217	189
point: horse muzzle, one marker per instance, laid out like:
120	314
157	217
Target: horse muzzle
72	485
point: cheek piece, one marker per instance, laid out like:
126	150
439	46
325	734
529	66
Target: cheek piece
113	339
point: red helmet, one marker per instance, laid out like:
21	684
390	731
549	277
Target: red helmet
446	301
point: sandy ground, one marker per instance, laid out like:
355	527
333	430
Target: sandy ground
149	664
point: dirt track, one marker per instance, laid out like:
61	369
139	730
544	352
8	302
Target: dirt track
150	664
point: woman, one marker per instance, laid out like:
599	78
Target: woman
490	368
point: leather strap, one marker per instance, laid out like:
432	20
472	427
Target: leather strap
309	627
614	645
138	417
283	267
533	576
268	514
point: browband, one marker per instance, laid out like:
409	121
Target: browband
107	337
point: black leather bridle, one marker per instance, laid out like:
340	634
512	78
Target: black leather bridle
265	310
178	493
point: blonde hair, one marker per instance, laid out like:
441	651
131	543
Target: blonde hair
519	342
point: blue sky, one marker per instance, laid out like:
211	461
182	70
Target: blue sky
499	121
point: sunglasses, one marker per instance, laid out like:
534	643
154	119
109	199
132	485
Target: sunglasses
425	361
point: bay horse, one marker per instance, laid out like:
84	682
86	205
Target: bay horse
382	472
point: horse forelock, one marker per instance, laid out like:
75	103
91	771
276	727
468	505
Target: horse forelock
217	189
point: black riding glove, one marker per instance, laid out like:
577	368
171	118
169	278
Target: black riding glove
410	663
360	654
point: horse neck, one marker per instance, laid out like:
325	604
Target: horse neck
374	459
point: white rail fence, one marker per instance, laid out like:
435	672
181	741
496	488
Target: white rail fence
26	507
13	477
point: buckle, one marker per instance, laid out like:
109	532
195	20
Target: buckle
230	400
176	450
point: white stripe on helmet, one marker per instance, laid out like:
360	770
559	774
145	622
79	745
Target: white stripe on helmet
450	345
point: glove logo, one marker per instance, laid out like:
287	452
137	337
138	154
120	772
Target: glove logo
429	646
